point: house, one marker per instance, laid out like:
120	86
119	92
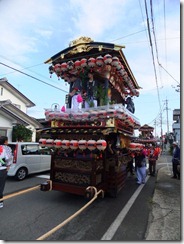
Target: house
13	110
176	125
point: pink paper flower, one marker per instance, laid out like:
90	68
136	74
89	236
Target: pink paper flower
79	98
63	109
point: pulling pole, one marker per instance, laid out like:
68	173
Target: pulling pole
43	237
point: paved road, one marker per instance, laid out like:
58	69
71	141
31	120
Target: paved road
145	216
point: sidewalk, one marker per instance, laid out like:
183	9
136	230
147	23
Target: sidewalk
165	218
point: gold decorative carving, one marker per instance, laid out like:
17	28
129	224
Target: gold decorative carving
77	164
79	179
80	45
73	164
80	48
80	40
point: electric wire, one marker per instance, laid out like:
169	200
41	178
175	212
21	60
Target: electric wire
155	73
33	77
154	36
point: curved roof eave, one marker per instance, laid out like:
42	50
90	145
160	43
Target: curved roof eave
91	48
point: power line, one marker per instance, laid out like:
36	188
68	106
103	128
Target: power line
156	48
33	77
129	35
152	55
24	68
168	73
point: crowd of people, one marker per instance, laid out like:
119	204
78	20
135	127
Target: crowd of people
79	94
87	94
151	154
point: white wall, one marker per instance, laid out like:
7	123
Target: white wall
6	124
9	96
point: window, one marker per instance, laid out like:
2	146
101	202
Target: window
3	132
30	149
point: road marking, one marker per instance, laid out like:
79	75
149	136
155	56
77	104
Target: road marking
21	192
115	225
44	176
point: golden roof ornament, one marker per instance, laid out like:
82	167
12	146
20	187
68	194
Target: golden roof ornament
80	40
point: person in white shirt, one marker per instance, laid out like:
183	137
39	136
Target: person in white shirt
75	91
91	92
6	159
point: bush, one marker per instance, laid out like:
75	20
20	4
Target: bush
21	133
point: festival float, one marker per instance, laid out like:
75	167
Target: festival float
92	146
146	136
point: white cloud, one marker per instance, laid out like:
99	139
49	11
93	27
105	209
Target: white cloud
20	30
32	31
95	17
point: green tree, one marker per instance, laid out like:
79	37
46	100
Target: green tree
21	133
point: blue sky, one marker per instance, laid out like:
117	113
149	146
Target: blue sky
33	31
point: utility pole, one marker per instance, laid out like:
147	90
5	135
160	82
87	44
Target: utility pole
166	108
167	117
155	127
161	129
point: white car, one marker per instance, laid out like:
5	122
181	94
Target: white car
29	158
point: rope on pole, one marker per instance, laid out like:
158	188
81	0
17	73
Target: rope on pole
43	237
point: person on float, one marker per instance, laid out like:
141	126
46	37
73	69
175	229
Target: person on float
75	93
91	92
130	105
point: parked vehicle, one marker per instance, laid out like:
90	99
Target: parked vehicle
29	158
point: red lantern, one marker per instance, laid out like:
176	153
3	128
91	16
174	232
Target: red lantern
83	62
101	145
122	71
93	115
91	62
132	146
49	142
64	67
115	61
118	66
102	114
65	144
111	113
99	61
42	141
57	69
91	145
47	113
107	59
74	144
77	65
76	116
82	144
85	115
57	143
65	116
